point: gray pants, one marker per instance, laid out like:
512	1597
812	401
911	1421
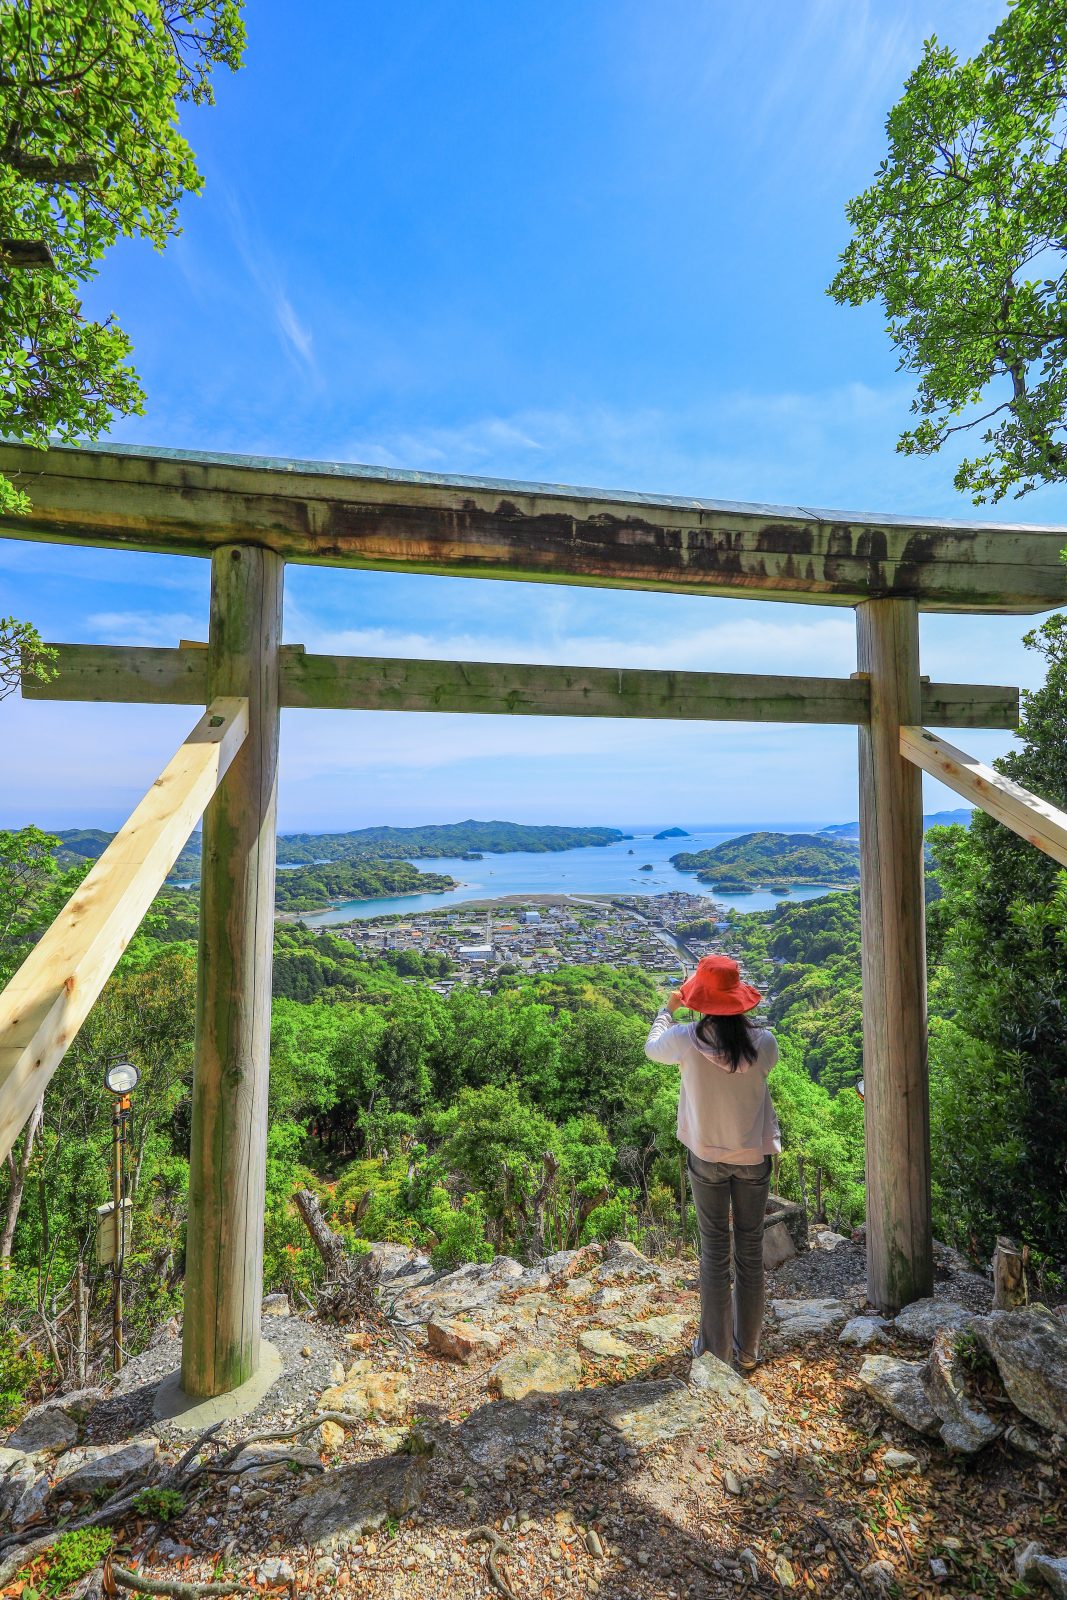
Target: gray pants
730	1320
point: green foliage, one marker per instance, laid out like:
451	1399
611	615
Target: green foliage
312	888
470	839
961	240
22	650
162	1505
62	375
774	860
33	891
999	1058
73	1556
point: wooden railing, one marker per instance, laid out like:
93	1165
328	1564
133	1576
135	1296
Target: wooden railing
51	994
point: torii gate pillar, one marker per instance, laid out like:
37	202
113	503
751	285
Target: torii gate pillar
227	1167
892	906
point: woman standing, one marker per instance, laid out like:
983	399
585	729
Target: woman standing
727	1123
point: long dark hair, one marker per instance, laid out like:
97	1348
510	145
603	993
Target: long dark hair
733	1036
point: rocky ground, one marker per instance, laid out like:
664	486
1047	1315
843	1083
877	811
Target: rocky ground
544	1432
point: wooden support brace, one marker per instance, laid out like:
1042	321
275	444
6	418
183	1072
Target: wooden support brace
1026	814
50	995
368	683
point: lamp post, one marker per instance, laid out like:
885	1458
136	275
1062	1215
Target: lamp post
121	1077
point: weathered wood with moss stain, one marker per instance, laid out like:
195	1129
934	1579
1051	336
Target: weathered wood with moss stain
899	1240
227	1166
115	672
131	673
371	517
1033	819
50	995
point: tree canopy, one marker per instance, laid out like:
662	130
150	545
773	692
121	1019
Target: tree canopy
962	238
90	152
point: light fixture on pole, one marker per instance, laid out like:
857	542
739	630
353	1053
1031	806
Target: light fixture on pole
121	1077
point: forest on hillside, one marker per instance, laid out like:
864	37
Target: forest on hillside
523	1115
772	860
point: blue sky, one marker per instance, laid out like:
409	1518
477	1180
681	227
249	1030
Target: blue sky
583	243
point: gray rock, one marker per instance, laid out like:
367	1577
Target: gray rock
924	1318
55	1424
348	1501
1029	1443
880	1576
276	1305
1029	1346
827	1239
474	1287
862	1332
533	1371
966	1426
397	1264
624	1260
600	1342
46	1431
23	1488
724	1390
794	1217
897	1385
85	1472
264	1463
778	1246
900	1461
173	1550
274	1573
799	1320
1032	1562
662	1330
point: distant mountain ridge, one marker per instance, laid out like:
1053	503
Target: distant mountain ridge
467	840
936	819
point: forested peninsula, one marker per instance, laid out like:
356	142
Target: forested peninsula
772	861
315	888
467	840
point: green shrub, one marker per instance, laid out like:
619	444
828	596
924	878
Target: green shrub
161	1504
73	1556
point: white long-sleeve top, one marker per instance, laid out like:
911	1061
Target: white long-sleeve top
722	1115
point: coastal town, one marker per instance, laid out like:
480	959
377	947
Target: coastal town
665	934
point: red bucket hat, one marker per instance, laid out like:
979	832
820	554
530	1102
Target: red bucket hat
716	988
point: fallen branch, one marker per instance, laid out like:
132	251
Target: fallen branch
174	1587
497	1545
852	1572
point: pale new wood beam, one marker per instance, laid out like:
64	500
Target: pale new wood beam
366	683
1026	814
51	994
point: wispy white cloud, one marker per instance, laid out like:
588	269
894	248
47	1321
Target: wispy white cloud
263	268
144	627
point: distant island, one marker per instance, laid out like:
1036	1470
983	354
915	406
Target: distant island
671	833
318	888
646	868
776	861
468	841
936	819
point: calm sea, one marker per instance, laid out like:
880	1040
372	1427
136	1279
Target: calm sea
606	869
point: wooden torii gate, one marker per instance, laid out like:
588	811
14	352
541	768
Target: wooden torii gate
250	516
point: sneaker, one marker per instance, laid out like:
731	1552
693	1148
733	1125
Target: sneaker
697	1346
745	1367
